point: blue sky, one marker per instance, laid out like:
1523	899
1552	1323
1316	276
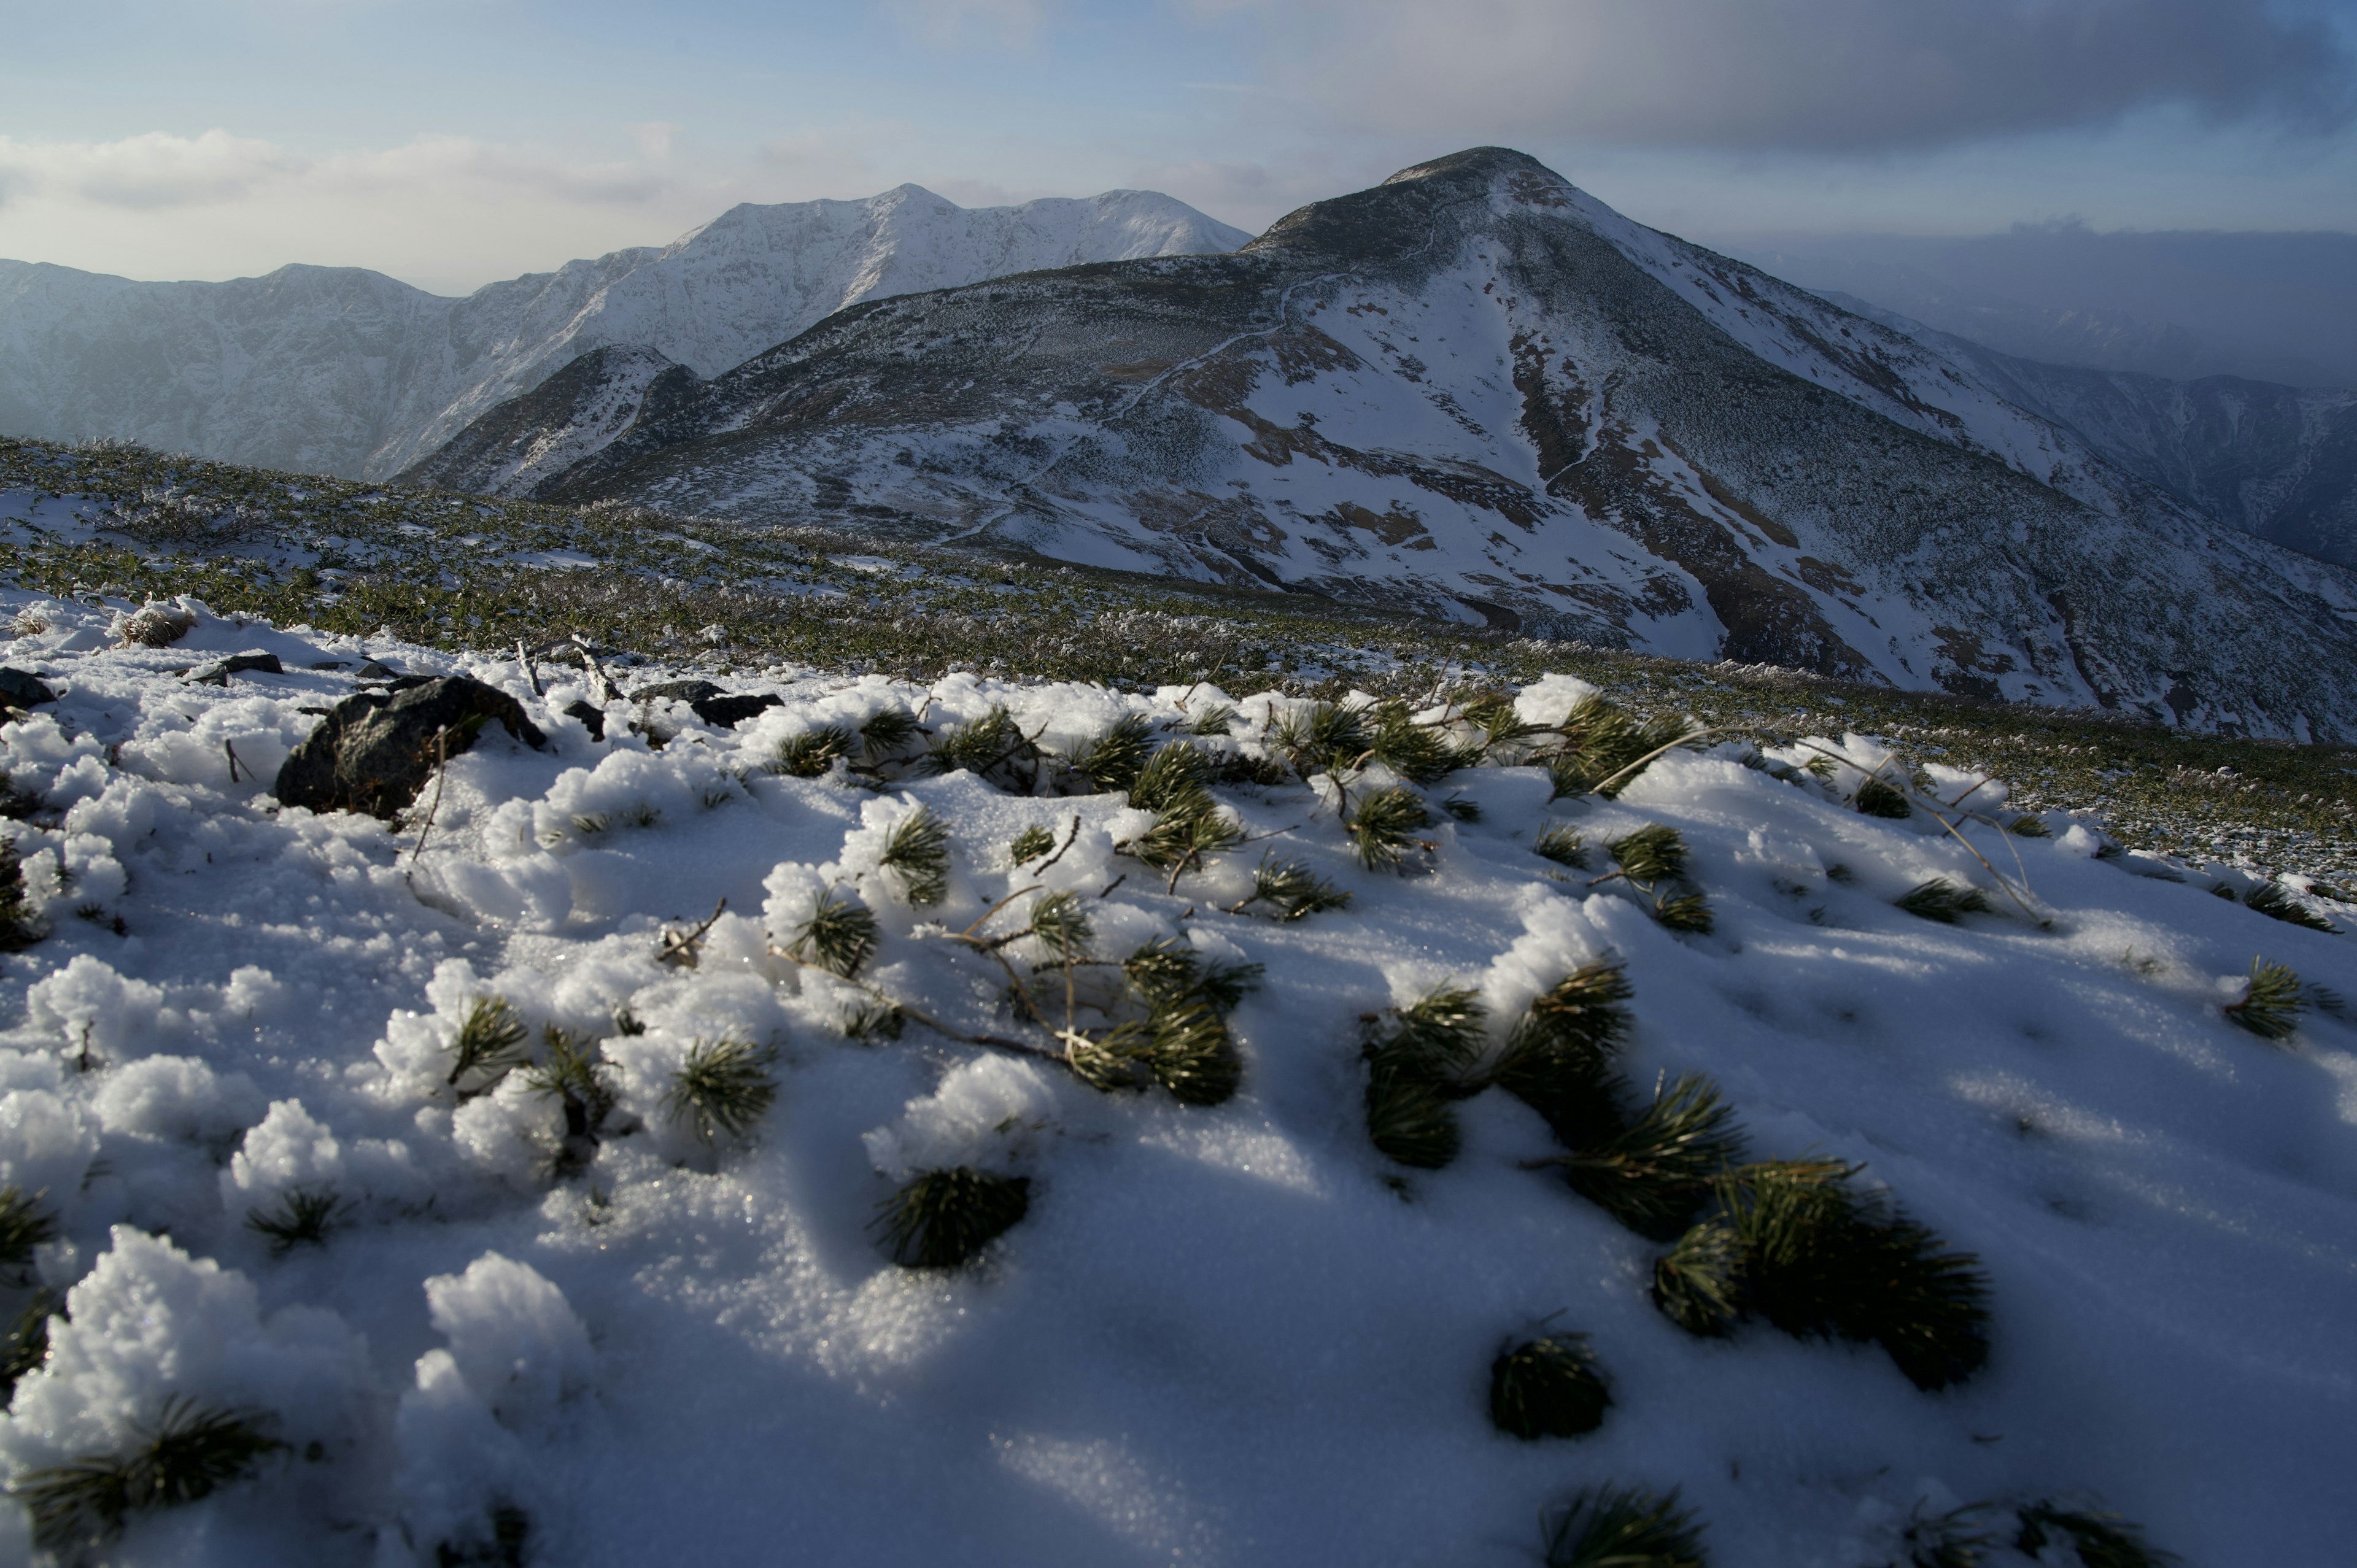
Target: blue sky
450	141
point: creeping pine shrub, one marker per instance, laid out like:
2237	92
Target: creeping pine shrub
1290	890
2028	827
2100	1539
2272	899
1654	1172
486	1045
24	1225
1560	843
1062	923
1383	827
1175	777
26	1344
1955	1538
1622	1527
943	1218
1603	746
1942	899
1419	1058
1031	844
917	850
1326	738
1182	1042
1547	1388
575	1073
1878	797
1112	760
722	1089
2271	1002
886	731
1418	753
993	747
1559	1057
20	927
838	936
191	1451
304	1216
1188	822
1216	719
814	751
1794	1243
1654	853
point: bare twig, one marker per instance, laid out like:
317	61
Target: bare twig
230	749
441	772
679	946
1069	840
531	675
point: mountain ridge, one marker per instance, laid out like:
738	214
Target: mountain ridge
348	371
1477	390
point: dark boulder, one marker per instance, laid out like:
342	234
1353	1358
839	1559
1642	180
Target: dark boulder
721	709
593	719
252	661
375	750
23	688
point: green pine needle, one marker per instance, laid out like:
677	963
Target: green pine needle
1182	1043
2028	827
487	1043
1956	1539
1878	797
1698	1283
304	1216
191	1451
1029	845
1623	1526
1654	853
1061	924
943	1218
1326	738
25	1348
1167	971
990	749
1411	1120
1655	1173
1291	889
1383	829
1184	833
1601	740
1174	778
2099	1537
2272	1003
1461	809
20	927
1945	900
1418	753
1560	843
887	730
917	850
722	1089
1559	1057
814	751
838	937
1213	720
1548	1388
873	1021
1687	912
2275	900
24	1225
575	1071
1113	759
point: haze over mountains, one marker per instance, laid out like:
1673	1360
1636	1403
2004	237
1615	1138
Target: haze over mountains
342	371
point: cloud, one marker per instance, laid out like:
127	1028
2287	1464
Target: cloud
1811	75
154	170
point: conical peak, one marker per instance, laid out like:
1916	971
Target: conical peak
1395	219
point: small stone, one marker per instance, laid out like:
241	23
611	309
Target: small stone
373	671
593	719
729	711
252	661
688	692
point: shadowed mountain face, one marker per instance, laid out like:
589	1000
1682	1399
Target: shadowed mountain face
1476	390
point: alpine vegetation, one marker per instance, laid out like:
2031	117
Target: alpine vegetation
1160	1100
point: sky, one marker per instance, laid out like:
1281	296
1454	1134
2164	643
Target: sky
450	143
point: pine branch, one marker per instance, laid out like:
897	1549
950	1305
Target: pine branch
1655	1173
1291	889
1560	843
1383	828
487	1043
943	1219
917	850
722	1089
1622	1527
2272	1001
304	1216
1548	1388
838	937
191	1451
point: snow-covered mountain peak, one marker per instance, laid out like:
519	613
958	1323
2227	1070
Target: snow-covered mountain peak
346	370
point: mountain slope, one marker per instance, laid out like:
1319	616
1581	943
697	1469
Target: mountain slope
348	371
1475	390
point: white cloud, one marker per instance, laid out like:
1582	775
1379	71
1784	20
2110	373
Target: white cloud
154	170
1832	75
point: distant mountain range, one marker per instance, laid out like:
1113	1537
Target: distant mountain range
342	371
1477	390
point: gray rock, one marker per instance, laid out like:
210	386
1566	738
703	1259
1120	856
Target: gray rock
375	750
252	661
23	688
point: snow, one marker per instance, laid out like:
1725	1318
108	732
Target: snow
1223	1335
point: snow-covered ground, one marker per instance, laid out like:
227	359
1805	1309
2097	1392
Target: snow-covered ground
1223	1334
